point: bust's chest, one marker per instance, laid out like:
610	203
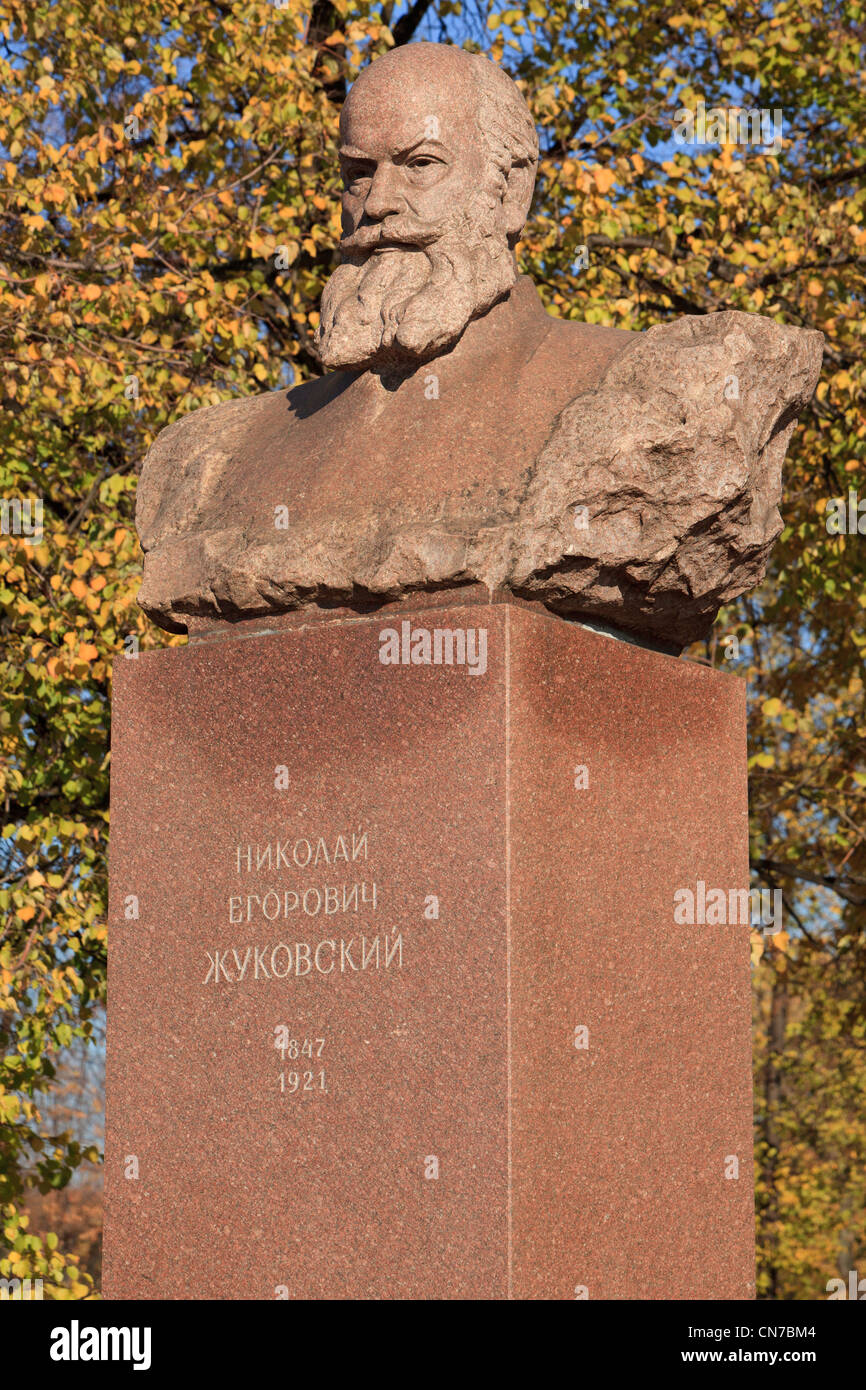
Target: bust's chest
443	444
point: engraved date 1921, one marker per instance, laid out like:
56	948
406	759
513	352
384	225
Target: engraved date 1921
299	1081
293	1082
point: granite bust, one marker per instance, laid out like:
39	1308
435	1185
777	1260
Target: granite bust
459	433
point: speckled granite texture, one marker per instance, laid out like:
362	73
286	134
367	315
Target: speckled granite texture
447	1042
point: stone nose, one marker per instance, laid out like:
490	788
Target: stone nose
384	197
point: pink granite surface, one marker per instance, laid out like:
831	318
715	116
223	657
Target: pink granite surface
619	1150
558	1168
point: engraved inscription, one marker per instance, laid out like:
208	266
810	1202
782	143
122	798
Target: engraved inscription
270	902
294	1082
301	959
300	1082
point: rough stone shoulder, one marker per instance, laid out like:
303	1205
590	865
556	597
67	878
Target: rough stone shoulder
686	405
185	461
656	497
787	355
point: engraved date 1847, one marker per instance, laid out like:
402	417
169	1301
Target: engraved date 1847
300	1081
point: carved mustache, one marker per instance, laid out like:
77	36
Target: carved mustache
396	231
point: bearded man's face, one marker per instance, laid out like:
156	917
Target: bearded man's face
425	248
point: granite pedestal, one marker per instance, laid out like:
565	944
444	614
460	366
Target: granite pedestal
398	1007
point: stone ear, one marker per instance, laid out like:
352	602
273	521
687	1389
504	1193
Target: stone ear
520	185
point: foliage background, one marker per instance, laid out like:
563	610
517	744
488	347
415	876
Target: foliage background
153	158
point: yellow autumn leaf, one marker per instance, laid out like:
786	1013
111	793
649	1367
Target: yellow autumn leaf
604	179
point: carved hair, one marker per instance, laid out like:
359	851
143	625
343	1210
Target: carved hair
504	119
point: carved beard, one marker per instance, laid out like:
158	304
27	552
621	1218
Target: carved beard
411	301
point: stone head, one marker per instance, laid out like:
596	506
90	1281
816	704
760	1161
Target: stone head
438	153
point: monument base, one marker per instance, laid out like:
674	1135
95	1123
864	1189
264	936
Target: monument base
398	1005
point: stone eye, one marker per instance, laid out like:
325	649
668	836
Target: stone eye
356	179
